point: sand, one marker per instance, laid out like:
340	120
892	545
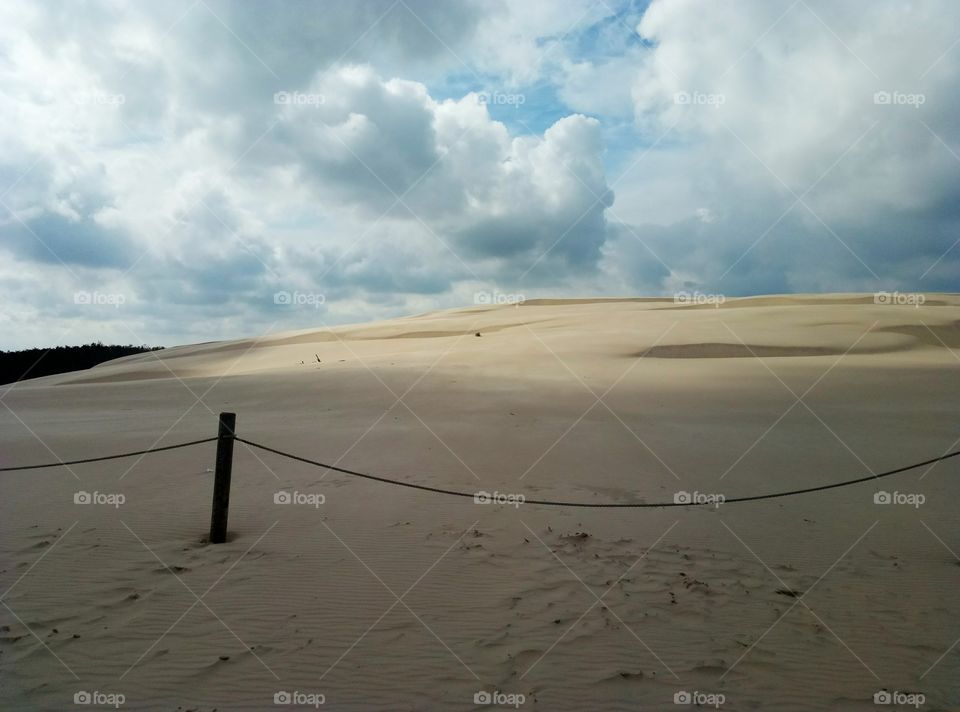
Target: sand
386	598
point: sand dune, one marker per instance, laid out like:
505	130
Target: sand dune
601	330
708	350
808	603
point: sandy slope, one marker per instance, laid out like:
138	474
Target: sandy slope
495	597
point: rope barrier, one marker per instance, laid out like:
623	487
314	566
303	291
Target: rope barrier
107	457
471	495
554	503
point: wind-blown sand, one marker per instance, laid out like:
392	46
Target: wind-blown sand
812	602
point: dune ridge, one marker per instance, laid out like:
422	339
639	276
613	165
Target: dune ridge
776	327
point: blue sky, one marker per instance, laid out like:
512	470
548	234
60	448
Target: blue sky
422	153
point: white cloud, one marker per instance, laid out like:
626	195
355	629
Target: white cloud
142	144
362	186
781	101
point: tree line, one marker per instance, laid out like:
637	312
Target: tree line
34	363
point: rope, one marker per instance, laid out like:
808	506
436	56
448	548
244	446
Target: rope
554	503
471	495
107	457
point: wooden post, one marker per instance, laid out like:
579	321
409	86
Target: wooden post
221	481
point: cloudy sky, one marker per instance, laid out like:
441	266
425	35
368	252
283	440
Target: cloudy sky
167	169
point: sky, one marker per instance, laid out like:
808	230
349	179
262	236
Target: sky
184	171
